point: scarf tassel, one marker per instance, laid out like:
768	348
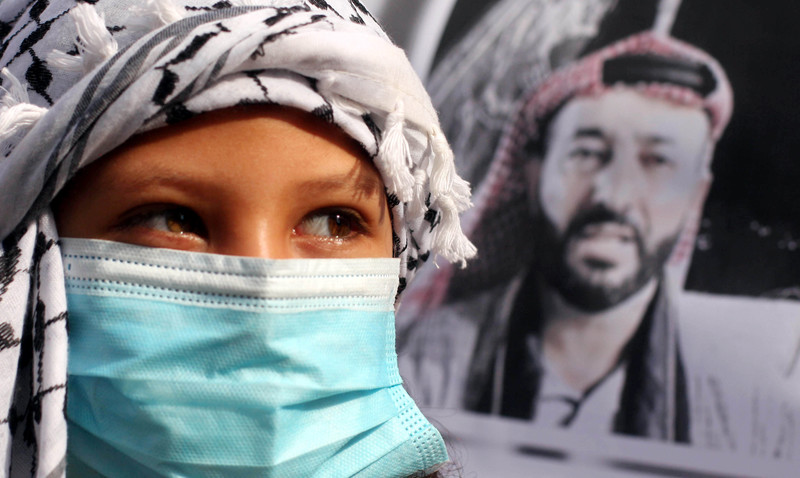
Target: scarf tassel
451	195
95	43
16	111
448	238
394	156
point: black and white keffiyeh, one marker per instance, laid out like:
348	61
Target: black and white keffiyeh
80	78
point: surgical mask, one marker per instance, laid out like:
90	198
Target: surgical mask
189	364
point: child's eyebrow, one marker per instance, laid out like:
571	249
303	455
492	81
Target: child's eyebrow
362	186
136	183
360	183
356	181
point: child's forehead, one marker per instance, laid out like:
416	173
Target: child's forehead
284	123
236	141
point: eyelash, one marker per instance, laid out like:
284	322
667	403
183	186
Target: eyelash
145	217
348	218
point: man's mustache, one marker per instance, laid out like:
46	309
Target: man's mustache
598	215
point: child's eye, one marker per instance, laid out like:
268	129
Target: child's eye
168	219
336	224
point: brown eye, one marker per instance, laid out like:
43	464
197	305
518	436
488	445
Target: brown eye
169	219
336	224
339	226
653	160
181	221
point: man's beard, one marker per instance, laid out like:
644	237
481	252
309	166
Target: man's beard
551	261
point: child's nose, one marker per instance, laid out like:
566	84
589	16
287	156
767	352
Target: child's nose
251	237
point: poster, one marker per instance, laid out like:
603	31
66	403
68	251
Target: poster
637	217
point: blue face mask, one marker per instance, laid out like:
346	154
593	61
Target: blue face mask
187	364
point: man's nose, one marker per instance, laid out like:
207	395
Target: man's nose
619	184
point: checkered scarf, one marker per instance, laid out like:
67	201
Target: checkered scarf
80	78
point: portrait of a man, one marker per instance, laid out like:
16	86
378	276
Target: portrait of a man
610	159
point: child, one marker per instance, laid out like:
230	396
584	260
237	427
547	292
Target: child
207	131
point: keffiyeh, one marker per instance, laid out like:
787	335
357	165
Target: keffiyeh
80	78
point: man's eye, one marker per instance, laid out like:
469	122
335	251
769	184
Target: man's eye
585	154
169	219
588	160
656	160
336	224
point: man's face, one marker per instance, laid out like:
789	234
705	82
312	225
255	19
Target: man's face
620	174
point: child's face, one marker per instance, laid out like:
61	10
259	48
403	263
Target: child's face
265	182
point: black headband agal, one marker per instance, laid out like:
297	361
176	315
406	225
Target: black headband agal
633	69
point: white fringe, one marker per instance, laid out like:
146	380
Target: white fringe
16	111
461	194
394	156
450	195
416	206
65	62
95	43
152	14
16	93
444	169
444	180
448	240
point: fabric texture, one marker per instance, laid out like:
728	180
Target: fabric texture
260	379
80	78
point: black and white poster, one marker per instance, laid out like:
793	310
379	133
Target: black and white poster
635	306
